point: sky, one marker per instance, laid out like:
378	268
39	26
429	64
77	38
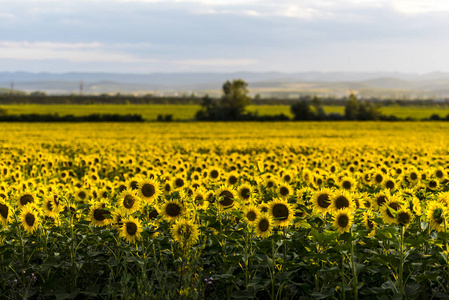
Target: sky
146	36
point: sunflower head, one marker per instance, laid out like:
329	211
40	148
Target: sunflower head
342	220
149	190
131	229
29	218
225	196
281	212
172	210
185	232
321	200
263	225
128	201
404	216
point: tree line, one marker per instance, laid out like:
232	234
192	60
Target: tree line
232	107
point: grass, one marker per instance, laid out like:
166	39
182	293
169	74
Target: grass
187	112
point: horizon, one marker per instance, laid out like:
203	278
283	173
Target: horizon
203	36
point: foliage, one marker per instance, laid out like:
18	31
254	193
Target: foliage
79	248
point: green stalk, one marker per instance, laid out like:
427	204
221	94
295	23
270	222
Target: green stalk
354	271
342	274
401	264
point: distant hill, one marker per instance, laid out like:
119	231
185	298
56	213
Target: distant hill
270	84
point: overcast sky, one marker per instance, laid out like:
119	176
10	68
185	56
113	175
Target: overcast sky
144	36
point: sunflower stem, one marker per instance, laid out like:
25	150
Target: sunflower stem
401	263
354	271
343	279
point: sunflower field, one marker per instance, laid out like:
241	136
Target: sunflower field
345	210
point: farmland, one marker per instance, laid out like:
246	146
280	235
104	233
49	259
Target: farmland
224	210
187	112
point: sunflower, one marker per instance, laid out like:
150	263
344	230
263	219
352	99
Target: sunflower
199	198
167	188
52	206
270	183
81	195
284	190
26	197
348	183
264	225
5	212
342	220
342	199
404	216
415	205
244	192
172	210
433	184
29	217
232	178
178	182
390	208
321	200
437	215
151	212
128	201
281	212
98	215
149	190
413	175
185	232
250	213
225	196
368	221
380	199
378	177
440	173
214	174
389	183
131	229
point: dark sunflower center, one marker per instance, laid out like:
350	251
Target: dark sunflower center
214	174
341	202
30	219
432	184
131	228
413	176
395	206
381	200
99	214
232	180
4	211
287	178
245	193
133	185
378	178
173	210
228	198
264	225
179	182
148	190
439	174
280	211
323	201
251	216
49	206
284	191
128	202
347	185
389	184
121	188
82	195
403	218
270	184
25	199
153	214
167	187
343	221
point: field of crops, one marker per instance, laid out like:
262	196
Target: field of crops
187	112
224	210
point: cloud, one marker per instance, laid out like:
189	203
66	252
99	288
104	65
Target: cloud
217	62
74	52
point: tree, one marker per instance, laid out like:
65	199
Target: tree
351	107
235	97
302	111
